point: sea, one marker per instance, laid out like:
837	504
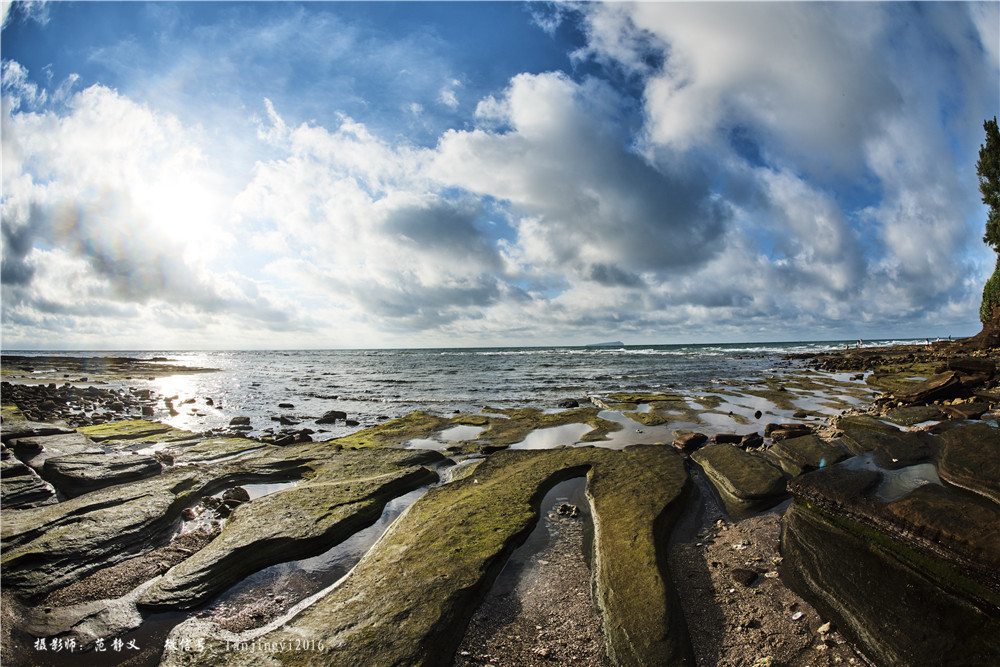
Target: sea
372	386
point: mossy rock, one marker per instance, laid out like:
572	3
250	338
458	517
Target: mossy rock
396	432
649	418
409	599
638	398
807	452
135	429
297	522
745	482
901	377
916	414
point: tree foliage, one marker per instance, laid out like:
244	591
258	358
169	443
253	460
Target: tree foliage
991	296
988	169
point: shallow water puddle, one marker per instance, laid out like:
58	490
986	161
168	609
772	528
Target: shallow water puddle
895	483
271	592
456	433
555	436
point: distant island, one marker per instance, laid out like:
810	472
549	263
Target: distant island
614	343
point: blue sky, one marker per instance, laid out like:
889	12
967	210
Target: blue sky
286	175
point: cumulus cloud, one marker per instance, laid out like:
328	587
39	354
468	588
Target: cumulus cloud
838	135
586	205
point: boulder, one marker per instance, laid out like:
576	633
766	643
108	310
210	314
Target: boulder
916	414
332	416
973	366
568	403
239	421
687	442
783	431
730	438
805	453
966	411
745	482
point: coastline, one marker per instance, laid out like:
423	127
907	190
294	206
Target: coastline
721	601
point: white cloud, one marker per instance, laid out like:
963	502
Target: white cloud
111	203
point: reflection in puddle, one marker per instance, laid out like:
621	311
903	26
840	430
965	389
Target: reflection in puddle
547	438
895	483
454	434
291	582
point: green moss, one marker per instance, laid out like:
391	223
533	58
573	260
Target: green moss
644	398
408	600
396	432
892	378
135	429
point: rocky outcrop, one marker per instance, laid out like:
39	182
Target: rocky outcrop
409	598
912	581
20	486
36	450
294	523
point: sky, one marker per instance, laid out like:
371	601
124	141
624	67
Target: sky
285	175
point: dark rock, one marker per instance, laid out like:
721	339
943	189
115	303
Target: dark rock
239	421
893	449
729	438
971	459
751	440
758	414
745	482
805	453
21	487
567	403
973	366
567	509
286	421
35	451
914	415
148	411
914	581
687	442
966	410
331	417
938	387
351	422
81	473
786	431
286	406
237	493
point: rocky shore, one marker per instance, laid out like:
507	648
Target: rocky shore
797	539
